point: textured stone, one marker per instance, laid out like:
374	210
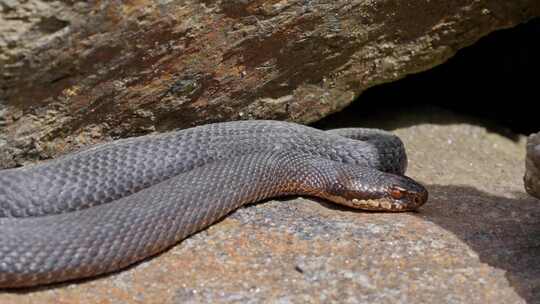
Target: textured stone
74	73
475	241
532	165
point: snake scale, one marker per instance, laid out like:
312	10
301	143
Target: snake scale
104	208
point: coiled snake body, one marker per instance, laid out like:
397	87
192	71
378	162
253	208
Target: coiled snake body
104	208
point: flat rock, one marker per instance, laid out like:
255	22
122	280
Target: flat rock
532	165
477	240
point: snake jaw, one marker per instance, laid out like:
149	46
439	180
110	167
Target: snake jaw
381	204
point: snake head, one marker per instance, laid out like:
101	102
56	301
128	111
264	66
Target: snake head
369	189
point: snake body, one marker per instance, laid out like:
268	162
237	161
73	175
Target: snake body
104	208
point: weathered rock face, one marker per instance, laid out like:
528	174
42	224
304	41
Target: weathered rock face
74	73
532	166
477	240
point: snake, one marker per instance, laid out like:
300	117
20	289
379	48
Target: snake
104	208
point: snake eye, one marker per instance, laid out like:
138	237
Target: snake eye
397	192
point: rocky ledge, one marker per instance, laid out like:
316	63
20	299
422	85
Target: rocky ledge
74	73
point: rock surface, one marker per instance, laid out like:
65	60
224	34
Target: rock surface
73	73
532	165
477	240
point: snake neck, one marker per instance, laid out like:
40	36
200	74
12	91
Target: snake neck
301	174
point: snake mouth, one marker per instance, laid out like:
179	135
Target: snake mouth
381	204
409	202
384	204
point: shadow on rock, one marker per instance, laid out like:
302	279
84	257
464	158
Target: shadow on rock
504	232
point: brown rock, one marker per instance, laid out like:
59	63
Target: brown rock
532	166
74	73
475	241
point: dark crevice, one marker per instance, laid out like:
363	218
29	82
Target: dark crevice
496	80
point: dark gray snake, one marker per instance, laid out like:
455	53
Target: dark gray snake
104	208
